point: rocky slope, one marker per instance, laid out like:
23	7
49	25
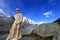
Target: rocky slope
6	22
46	31
58	21
28	26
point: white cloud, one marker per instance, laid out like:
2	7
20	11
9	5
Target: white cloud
41	22
52	2
48	14
2	4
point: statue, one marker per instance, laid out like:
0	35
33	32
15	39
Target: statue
15	31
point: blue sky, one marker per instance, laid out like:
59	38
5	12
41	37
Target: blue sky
37	10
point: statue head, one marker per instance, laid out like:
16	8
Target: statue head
17	10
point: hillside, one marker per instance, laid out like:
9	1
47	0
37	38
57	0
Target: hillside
58	21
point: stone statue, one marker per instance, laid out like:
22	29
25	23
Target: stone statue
15	31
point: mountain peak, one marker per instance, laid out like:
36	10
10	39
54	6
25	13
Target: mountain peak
58	20
3	14
28	20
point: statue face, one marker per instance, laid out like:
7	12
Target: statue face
17	11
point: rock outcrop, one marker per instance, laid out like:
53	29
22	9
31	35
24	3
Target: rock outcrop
6	22
46	30
57	21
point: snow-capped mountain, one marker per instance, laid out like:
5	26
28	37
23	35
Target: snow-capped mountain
28	20
29	25
6	21
5	17
31	21
3	14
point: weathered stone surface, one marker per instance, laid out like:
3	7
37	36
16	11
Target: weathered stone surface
27	38
5	23
48	29
23	38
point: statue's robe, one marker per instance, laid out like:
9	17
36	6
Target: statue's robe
15	31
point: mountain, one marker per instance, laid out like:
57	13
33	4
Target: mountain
3	14
58	21
28	25
25	19
28	20
47	29
6	22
